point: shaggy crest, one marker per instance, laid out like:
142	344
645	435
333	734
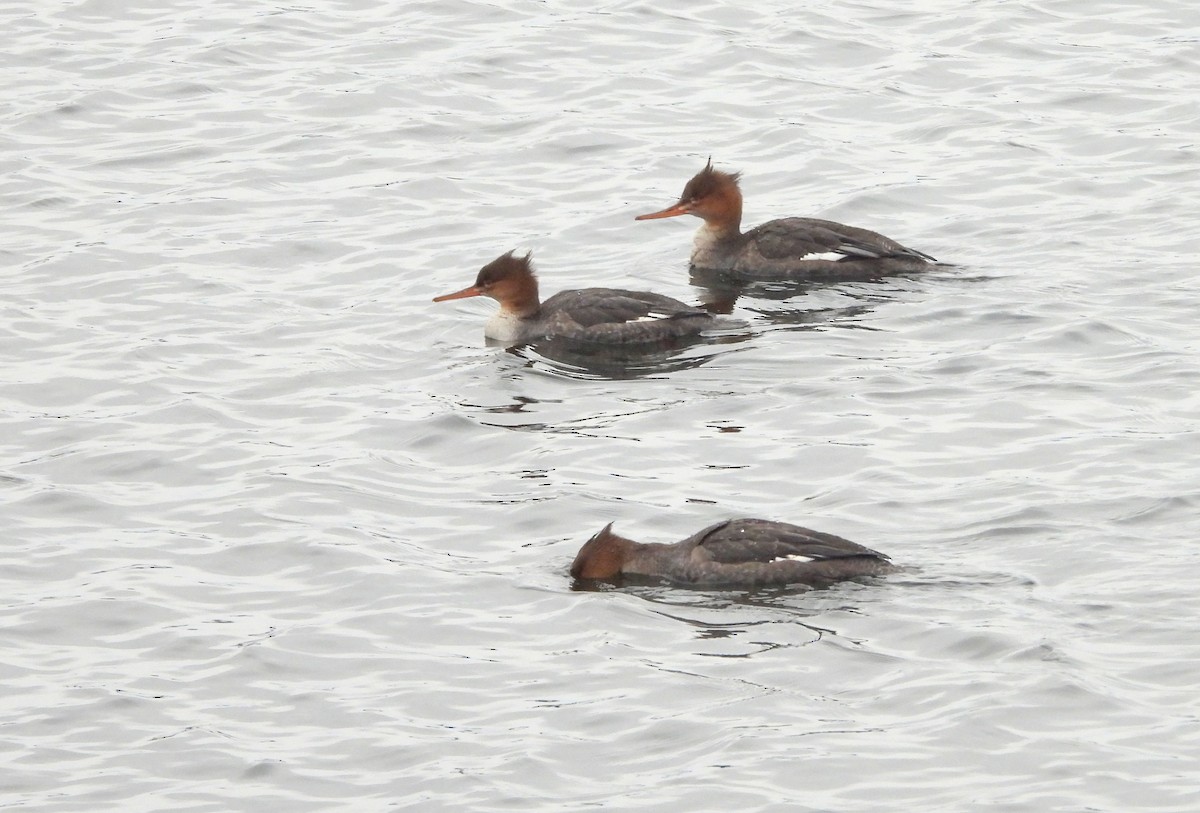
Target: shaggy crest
504	266
707	181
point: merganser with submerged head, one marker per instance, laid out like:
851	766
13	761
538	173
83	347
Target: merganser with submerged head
594	315
738	552
796	248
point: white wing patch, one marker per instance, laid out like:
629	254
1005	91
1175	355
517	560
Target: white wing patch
652	316
795	557
825	255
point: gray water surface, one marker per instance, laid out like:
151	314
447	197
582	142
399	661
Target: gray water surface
283	535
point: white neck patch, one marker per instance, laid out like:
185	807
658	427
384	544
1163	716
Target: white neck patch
504	326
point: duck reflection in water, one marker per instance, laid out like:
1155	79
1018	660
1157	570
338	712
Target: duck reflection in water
718	294
570	359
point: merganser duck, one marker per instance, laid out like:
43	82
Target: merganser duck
594	315
792	248
737	552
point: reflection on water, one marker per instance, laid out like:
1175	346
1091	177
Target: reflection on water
520	403
719	292
811	319
594	423
660	590
783	287
562	357
766	619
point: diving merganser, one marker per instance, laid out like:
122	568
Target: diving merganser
737	552
792	248
600	315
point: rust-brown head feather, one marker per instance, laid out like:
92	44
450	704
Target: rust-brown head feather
503	267
602	556
706	182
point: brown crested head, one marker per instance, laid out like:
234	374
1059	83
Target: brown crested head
505	269
602	556
508	279
708	182
711	194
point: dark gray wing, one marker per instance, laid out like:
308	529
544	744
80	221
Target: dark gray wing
597	306
760	540
799	237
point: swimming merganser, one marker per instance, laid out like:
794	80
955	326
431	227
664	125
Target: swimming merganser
600	315
798	248
737	552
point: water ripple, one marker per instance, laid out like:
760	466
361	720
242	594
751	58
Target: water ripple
282	535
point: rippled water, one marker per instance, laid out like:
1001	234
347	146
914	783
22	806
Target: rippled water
283	535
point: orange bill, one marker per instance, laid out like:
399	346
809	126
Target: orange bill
463	294
680	208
